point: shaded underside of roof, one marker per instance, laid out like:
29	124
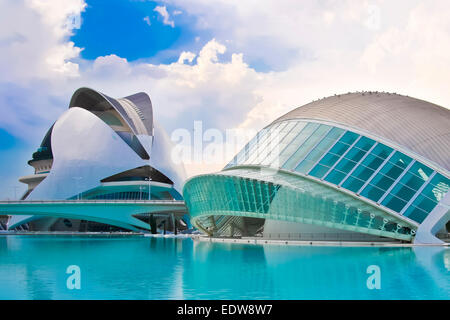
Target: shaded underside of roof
140	102
414	124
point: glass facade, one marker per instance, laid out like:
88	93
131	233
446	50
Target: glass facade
351	161
217	201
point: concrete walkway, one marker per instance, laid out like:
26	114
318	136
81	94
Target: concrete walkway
252	240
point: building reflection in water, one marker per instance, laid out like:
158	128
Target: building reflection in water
34	267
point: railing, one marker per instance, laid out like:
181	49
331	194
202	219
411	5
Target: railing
179	202
323	237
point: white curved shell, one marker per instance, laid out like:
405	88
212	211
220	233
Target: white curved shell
85	150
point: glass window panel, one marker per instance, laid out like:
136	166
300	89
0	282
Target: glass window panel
326	162
272	143
353	184
416	175
339	149
276	144
244	154
318	151
312	141
376	157
304	142
416	214
295	142
440	180
343	166
335	176
421	171
424	203
294	131
349	137
412	181
428	199
400	160
390	170
394	203
262	144
364	143
350	160
372	161
329	160
248	149
281	156
407	186
437	188
261	138
377	189
382	151
401	191
335	152
319	170
355	154
363	173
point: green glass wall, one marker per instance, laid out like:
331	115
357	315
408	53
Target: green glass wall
213	199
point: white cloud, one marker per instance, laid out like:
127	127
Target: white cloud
166	16
186	56
37	63
147	20
34	40
328	17
314	50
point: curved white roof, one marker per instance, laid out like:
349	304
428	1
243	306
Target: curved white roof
135	109
414	124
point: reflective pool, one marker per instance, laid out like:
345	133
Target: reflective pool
34	267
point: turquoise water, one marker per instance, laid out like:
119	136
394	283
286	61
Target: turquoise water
34	267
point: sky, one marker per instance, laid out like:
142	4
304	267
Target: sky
227	63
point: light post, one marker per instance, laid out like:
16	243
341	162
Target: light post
149	188
140	192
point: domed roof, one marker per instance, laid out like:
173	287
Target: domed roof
417	125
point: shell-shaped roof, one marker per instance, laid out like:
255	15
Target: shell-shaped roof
417	125
135	109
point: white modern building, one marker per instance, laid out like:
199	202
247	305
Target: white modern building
101	149
356	166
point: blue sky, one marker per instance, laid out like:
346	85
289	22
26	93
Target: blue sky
228	63
132	30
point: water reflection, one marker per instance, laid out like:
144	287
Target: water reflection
287	272
33	267
227	271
